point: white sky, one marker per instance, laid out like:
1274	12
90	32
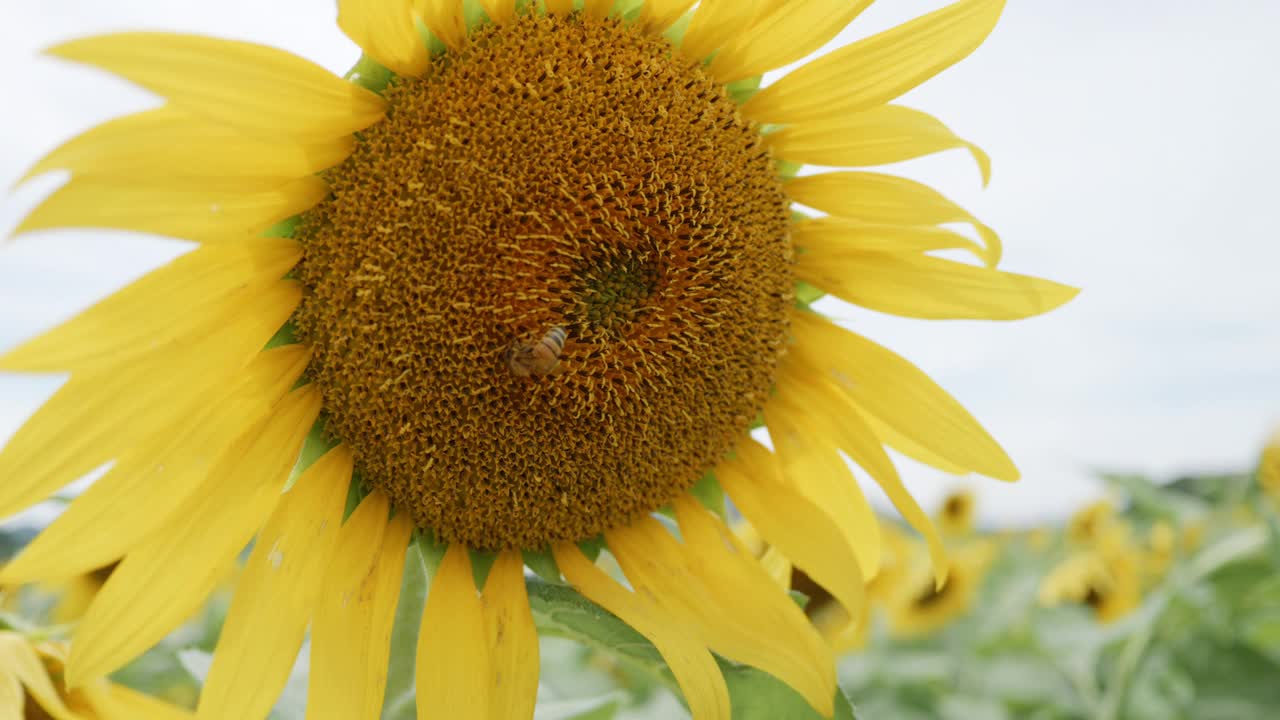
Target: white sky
1135	151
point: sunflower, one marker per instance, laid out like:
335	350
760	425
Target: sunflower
955	517
1108	583
31	687
920	606
1269	468
533	271
1162	547
1091	522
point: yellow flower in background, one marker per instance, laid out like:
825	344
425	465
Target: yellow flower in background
1107	577
32	687
1162	546
1269	468
921	607
955	516
1091	522
540	279
1193	534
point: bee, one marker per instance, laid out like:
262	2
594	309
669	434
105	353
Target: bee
541	358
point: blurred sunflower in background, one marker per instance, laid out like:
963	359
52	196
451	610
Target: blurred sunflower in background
1105	577
1091	522
529	275
1269	468
920	606
955	516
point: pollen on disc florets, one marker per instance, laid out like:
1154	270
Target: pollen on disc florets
556	173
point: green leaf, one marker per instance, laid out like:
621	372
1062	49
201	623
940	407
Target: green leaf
560	611
598	708
757	695
420	563
960	707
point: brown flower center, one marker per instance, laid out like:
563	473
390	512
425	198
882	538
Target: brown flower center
549	290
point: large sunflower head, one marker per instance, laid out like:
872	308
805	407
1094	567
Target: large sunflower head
525	277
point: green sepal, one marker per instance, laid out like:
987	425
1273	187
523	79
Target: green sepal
481	563
543	564
286	335
708	492
356	493
369	74
285	228
807	294
787	169
741	91
314	446
592	547
675	33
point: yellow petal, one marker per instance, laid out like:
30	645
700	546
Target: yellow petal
202	215
878	198
876	136
714	23
12	699
658	15
258	89
94	417
277	594
351	633
445	20
117	701
454	672
384	29
161	583
885	386
513	640
778	566
169	146
140	494
787	33
190	297
924	286
711	582
559	7
811	463
833	234
837	421
883	66
792	523
901	443
681	645
597	9
19	660
502	12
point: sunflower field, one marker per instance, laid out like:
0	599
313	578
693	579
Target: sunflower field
1160	602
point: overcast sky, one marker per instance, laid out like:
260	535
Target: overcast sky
1135	150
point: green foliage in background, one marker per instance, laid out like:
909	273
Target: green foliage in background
1200	640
